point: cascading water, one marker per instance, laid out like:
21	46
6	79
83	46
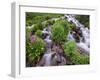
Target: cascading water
47	58
48	53
84	42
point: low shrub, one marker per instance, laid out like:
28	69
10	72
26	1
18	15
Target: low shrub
38	26
58	33
72	26
69	48
78	58
50	22
65	24
38	33
34	50
29	23
47	17
71	51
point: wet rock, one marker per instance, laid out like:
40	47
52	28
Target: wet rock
58	60
44	35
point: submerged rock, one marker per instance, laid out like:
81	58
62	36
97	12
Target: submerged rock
58	60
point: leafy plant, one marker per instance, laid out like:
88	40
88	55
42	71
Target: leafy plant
47	17
58	33
60	30
34	50
38	33
65	24
34	18
72	26
69	48
37	26
71	51
78	58
29	23
50	22
37	48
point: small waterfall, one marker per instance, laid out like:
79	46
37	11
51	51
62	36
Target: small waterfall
48	53
70	36
47	58
84	42
47	31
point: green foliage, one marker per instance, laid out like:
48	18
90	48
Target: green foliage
70	50
47	17
34	49
38	33
72	26
78	58
58	33
41	26
45	24
37	47
65	24
50	22
60	30
29	23
34	18
28	30
37	26
83	19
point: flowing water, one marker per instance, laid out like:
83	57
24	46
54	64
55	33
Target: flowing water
48	53
84	42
